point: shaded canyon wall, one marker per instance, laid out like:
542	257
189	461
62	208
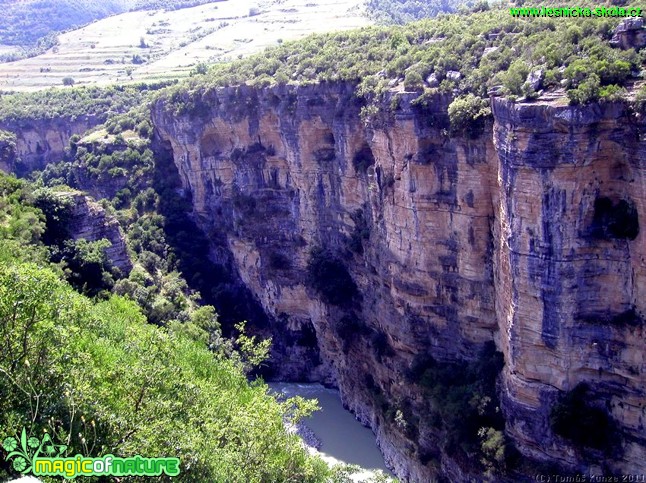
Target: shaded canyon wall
524	232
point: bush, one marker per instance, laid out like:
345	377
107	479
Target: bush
413	80
467	113
587	92
68	81
514	79
640	100
108	382
7	146
463	396
88	264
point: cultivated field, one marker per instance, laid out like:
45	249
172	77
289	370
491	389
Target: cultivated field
159	45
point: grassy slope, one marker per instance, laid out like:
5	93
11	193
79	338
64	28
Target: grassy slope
24	23
110	50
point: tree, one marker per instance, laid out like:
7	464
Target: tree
101	380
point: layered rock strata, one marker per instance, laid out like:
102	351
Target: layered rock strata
525	232
41	141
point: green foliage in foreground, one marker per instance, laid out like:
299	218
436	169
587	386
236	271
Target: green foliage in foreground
463	54
102	380
99	378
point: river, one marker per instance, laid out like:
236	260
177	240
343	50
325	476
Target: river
343	439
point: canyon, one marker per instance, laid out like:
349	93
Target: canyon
382	247
523	232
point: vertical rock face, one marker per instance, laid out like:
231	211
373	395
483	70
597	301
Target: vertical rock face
570	268
89	221
526	234
39	142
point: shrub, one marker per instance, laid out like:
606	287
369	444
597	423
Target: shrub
514	79
89	269
7	145
413	80
467	113
640	100
108	382
588	91
463	396
612	93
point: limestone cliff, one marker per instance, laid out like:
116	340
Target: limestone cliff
42	141
89	221
525	232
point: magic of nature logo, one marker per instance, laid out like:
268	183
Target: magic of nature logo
43	457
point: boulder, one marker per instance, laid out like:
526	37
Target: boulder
629	34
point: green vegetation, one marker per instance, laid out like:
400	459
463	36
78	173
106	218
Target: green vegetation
27	22
456	54
21	224
402	11
33	24
586	425
7	146
97	377
466	113
172	272
463	404
70	104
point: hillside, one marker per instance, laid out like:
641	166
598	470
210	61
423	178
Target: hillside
32	25
479	54
71	365
422	215
163	44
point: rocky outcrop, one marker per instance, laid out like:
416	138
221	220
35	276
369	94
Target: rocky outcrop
89	221
570	269
630	34
525	232
41	141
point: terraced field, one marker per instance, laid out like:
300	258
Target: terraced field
159	45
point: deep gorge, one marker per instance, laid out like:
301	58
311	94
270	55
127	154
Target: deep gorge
432	247
476	296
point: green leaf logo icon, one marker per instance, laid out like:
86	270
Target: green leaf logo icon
47	447
22	450
10	444
19	464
